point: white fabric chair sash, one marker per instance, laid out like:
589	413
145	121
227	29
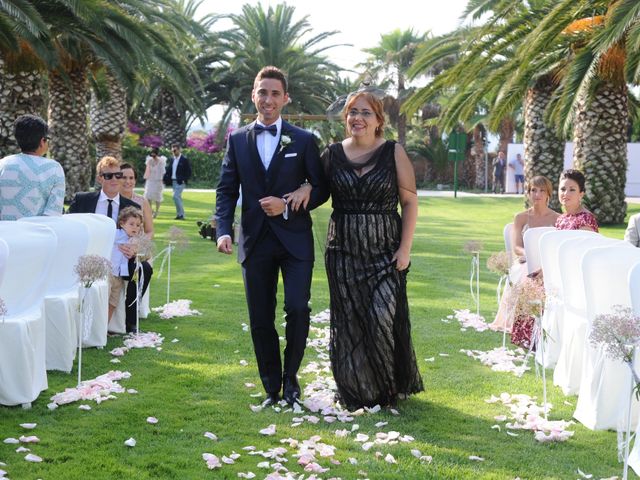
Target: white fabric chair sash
61	300
554	305
568	370
605	392
31	251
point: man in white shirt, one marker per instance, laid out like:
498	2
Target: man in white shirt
177	174
106	201
270	158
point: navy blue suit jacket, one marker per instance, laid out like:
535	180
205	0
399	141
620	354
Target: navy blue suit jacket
290	166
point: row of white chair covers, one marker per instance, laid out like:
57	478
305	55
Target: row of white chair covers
28	253
634	281
585	275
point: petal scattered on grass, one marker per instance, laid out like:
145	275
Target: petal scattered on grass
22	449
84	407
29	426
33	458
244	363
152	420
270	430
476	458
211	436
211	460
29	439
130	442
389	458
11	440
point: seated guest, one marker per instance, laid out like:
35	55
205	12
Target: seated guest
570	193
123	268
129	178
632	234
30	184
106	201
539	191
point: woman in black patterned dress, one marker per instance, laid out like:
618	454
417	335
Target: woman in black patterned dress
367	260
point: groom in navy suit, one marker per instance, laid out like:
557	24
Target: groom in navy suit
270	158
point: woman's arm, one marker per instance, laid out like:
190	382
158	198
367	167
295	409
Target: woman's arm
408	206
517	242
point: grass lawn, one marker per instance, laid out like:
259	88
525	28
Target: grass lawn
197	384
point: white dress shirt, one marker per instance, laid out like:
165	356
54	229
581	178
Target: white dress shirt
103	204
268	143
174	167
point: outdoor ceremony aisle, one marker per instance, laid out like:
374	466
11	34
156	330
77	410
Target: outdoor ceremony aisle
189	405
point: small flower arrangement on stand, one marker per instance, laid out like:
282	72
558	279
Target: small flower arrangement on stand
619	334
499	263
89	269
474	247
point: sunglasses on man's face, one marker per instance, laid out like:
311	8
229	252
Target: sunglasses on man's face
109	176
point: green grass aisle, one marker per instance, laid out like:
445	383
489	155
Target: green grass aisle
197	384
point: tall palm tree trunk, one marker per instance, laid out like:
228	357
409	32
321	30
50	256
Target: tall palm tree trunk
20	93
68	127
600	152
173	121
543	149
108	119
507	129
478	156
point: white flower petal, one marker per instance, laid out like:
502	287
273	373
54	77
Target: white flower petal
29	426
33	458
211	436
130	442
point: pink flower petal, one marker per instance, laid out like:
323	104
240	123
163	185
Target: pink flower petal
152	420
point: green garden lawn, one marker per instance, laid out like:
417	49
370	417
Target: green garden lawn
197	384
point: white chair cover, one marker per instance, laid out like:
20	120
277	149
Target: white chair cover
553	309
568	370
61	301
103	231
4	253
27	271
605	385
531	239
634	294
506	234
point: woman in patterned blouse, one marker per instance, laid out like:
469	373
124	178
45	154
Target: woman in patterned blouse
570	193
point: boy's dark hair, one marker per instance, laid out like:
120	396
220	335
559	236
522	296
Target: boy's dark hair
271	72
28	131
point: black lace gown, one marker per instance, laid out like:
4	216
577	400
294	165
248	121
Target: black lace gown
372	356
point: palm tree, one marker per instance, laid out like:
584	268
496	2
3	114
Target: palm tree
272	37
488	71
390	60
25	51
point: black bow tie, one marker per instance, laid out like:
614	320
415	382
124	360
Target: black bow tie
272	129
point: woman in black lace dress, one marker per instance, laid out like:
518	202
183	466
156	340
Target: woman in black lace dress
367	260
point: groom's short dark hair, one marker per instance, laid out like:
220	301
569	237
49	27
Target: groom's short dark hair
271	72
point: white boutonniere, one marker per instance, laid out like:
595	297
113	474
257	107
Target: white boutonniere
285	141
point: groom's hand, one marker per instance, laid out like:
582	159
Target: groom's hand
273	206
224	245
